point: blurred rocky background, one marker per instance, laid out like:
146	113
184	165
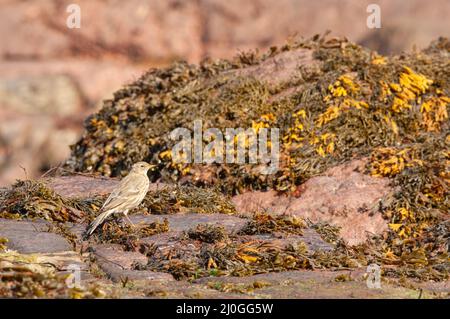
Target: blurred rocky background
52	77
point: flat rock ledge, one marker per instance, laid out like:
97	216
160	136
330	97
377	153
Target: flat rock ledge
342	196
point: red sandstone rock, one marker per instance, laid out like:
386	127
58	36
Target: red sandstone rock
342	197
118	264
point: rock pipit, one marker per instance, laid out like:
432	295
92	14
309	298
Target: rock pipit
129	194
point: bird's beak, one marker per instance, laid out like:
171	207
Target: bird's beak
150	166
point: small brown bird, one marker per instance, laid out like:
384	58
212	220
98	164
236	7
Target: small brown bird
128	195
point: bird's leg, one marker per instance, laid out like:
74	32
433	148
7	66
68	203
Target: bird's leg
128	219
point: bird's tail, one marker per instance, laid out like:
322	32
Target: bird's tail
100	219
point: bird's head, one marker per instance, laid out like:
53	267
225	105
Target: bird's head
142	167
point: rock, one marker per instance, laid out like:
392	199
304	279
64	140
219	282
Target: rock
401	34
166	243
51	95
310	237
280	68
94	79
162	31
32	143
435	287
66	263
63	260
103	30
170	241
113	253
184	222
302	284
238	25
32	237
342	196
116	274
35	133
81	186
118	264
38	225
183	290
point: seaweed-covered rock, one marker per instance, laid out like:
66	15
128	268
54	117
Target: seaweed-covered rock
333	101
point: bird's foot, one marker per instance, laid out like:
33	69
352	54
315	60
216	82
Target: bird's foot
129	221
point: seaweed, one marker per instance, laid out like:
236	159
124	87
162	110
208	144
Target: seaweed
249	258
127	235
23	276
263	223
207	233
3	242
180	269
34	199
343	278
327	232
353	103
187	199
237	288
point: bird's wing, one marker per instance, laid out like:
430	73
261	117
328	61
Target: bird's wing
129	188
